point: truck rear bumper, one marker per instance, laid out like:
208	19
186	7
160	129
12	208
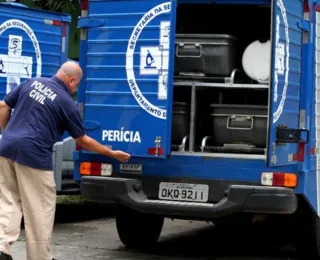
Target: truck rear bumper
238	198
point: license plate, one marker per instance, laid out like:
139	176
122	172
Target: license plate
183	191
131	168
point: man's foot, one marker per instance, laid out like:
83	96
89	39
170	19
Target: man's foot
4	256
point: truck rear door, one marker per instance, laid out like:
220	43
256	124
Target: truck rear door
287	119
126	93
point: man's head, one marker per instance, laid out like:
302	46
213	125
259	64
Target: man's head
70	73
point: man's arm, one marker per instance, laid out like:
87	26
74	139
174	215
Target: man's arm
75	128
9	102
5	113
90	144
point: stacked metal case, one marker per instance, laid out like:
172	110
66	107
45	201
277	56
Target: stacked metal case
205	61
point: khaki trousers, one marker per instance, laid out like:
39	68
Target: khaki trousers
31	193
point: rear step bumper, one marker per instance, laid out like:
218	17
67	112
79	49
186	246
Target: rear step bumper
238	198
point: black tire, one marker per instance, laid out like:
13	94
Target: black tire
307	235
138	230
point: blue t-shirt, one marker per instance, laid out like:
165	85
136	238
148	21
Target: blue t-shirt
43	111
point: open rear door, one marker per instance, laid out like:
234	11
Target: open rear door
128	87
286	120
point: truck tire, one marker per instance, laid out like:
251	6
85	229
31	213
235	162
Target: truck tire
307	232
308	237
138	230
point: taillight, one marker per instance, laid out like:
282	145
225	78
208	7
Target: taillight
84	5
84	8
96	169
52	22
279	179
301	152
155	151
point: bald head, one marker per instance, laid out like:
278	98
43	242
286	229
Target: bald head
70	73
71	69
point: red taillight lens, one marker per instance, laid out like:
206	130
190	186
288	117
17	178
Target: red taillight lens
153	151
278	179
95	169
84	5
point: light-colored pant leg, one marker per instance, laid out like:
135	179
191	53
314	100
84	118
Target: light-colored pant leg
38	195
10	205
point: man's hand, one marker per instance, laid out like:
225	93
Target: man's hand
92	145
121	156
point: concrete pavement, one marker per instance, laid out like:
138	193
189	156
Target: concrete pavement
82	238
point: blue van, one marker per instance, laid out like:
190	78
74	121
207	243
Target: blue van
216	101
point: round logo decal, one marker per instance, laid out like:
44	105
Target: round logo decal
148	54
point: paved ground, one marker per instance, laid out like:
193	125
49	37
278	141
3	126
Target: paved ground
94	237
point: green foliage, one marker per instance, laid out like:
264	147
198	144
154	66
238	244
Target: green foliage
58	5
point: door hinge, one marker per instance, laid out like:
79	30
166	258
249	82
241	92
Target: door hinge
84	22
304	25
291	135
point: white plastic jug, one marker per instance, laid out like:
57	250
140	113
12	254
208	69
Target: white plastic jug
256	60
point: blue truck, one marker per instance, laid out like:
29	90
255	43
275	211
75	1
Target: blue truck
217	103
34	42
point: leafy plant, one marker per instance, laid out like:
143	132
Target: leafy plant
58	5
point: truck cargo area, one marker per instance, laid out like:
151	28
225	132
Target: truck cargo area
221	86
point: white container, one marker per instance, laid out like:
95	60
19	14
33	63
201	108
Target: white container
256	61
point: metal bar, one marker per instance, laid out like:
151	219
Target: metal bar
220	85
57	164
193	118
223	155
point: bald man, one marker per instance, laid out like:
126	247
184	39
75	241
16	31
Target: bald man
43	111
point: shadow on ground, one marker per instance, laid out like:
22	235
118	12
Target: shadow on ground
68	213
244	242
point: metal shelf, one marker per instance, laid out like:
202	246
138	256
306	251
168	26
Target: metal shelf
195	83
193	111
220	85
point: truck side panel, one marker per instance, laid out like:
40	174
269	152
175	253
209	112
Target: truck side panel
32	43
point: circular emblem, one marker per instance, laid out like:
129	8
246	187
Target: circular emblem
138	95
282	56
13	64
